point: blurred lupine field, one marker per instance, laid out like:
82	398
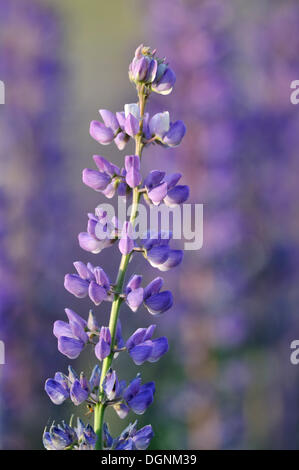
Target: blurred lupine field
227	381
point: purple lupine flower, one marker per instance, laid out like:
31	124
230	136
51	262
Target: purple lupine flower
86	436
63	436
78	389
104	133
126	242
90	280
56	391
132	166
59	437
101	233
103	347
104	179
143	68
164	188
112	387
71	336
157	250
134	292
159	129
139	397
130	438
155	301
141	348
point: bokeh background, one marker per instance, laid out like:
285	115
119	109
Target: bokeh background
227	382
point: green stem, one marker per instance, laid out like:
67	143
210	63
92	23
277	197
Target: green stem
100	407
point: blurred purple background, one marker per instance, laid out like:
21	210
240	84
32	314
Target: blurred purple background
227	381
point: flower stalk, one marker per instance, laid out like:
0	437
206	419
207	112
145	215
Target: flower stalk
103	388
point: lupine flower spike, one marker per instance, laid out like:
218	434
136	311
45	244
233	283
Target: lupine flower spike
102	387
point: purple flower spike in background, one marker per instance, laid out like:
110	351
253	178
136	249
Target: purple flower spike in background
149	73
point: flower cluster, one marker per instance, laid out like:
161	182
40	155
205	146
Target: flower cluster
104	389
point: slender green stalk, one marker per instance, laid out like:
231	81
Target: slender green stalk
100	407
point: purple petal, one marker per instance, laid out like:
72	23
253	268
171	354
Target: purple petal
157	255
175	134
62	328
101	277
105	334
95	180
121	119
110	189
95	377
154	178
109	119
96	293
149	332
159	347
165	84
139	68
102	349
158	193
135	298
62	379
102	134
172	179
132	389
70	347
56	391
78	331
141	352
105	166
159	303
132	165
73	316
174	259
92	323
111	385
77	393
126	243
177	195
136	338
89	243
122	410
131	125
152	71
141	402
143	437
159	124
153	287
75	285
84	271
134	282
